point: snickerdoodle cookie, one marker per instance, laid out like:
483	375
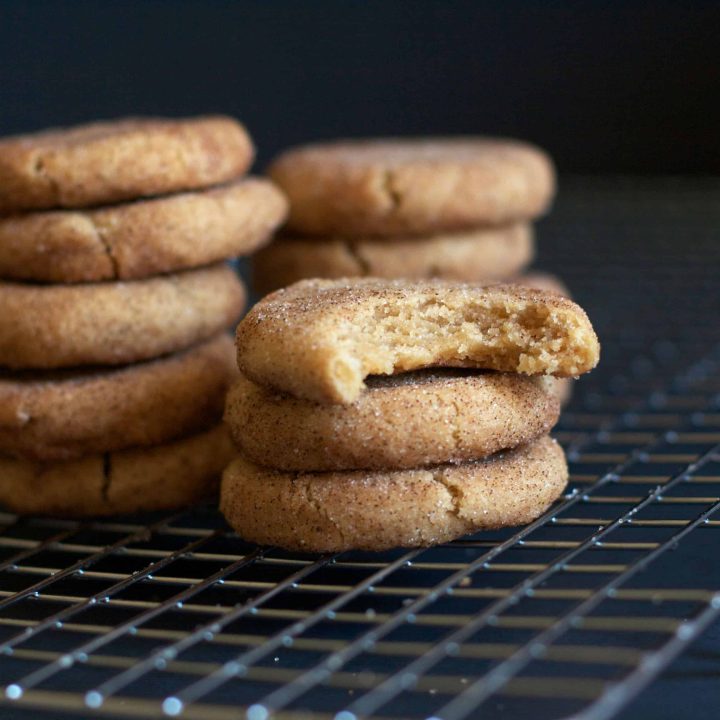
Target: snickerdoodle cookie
143	238
476	255
319	339
143	479
336	511
413	186
400	421
108	162
62	414
113	323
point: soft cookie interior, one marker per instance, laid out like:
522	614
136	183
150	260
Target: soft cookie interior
525	337
342	331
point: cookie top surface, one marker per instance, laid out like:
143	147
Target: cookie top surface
161	477
487	254
378	510
142	238
319	339
421	185
410	420
114	323
106	162
57	415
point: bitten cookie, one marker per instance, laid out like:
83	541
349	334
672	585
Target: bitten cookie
145	479
333	512
51	326
400	421
561	387
319	339
66	414
140	239
478	255
414	186
107	162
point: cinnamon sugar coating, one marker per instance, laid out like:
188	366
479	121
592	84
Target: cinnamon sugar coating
142	238
58	415
108	162
486	254
319	339
338	511
113	323
139	480
400	421
414	186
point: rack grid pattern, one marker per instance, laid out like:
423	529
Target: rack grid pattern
570	616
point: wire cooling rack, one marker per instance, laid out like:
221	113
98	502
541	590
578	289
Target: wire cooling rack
571	616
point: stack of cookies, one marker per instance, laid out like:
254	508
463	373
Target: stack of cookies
376	413
116	301
437	208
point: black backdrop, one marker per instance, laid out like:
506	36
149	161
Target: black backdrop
605	86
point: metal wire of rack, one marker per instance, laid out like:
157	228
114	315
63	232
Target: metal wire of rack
571	616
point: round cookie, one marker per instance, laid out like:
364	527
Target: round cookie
487	254
157	478
107	162
143	238
413	186
400	421
59	415
319	339
51	326
338	511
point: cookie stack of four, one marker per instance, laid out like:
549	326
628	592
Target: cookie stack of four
116	302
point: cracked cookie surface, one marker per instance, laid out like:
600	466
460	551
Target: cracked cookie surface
156	478
319	339
414	186
114	323
338	511
143	238
477	255
107	162
57	415
400	421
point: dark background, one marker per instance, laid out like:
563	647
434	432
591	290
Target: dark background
605	86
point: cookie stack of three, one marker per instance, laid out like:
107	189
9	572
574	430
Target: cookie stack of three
457	209
116	301
374	413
